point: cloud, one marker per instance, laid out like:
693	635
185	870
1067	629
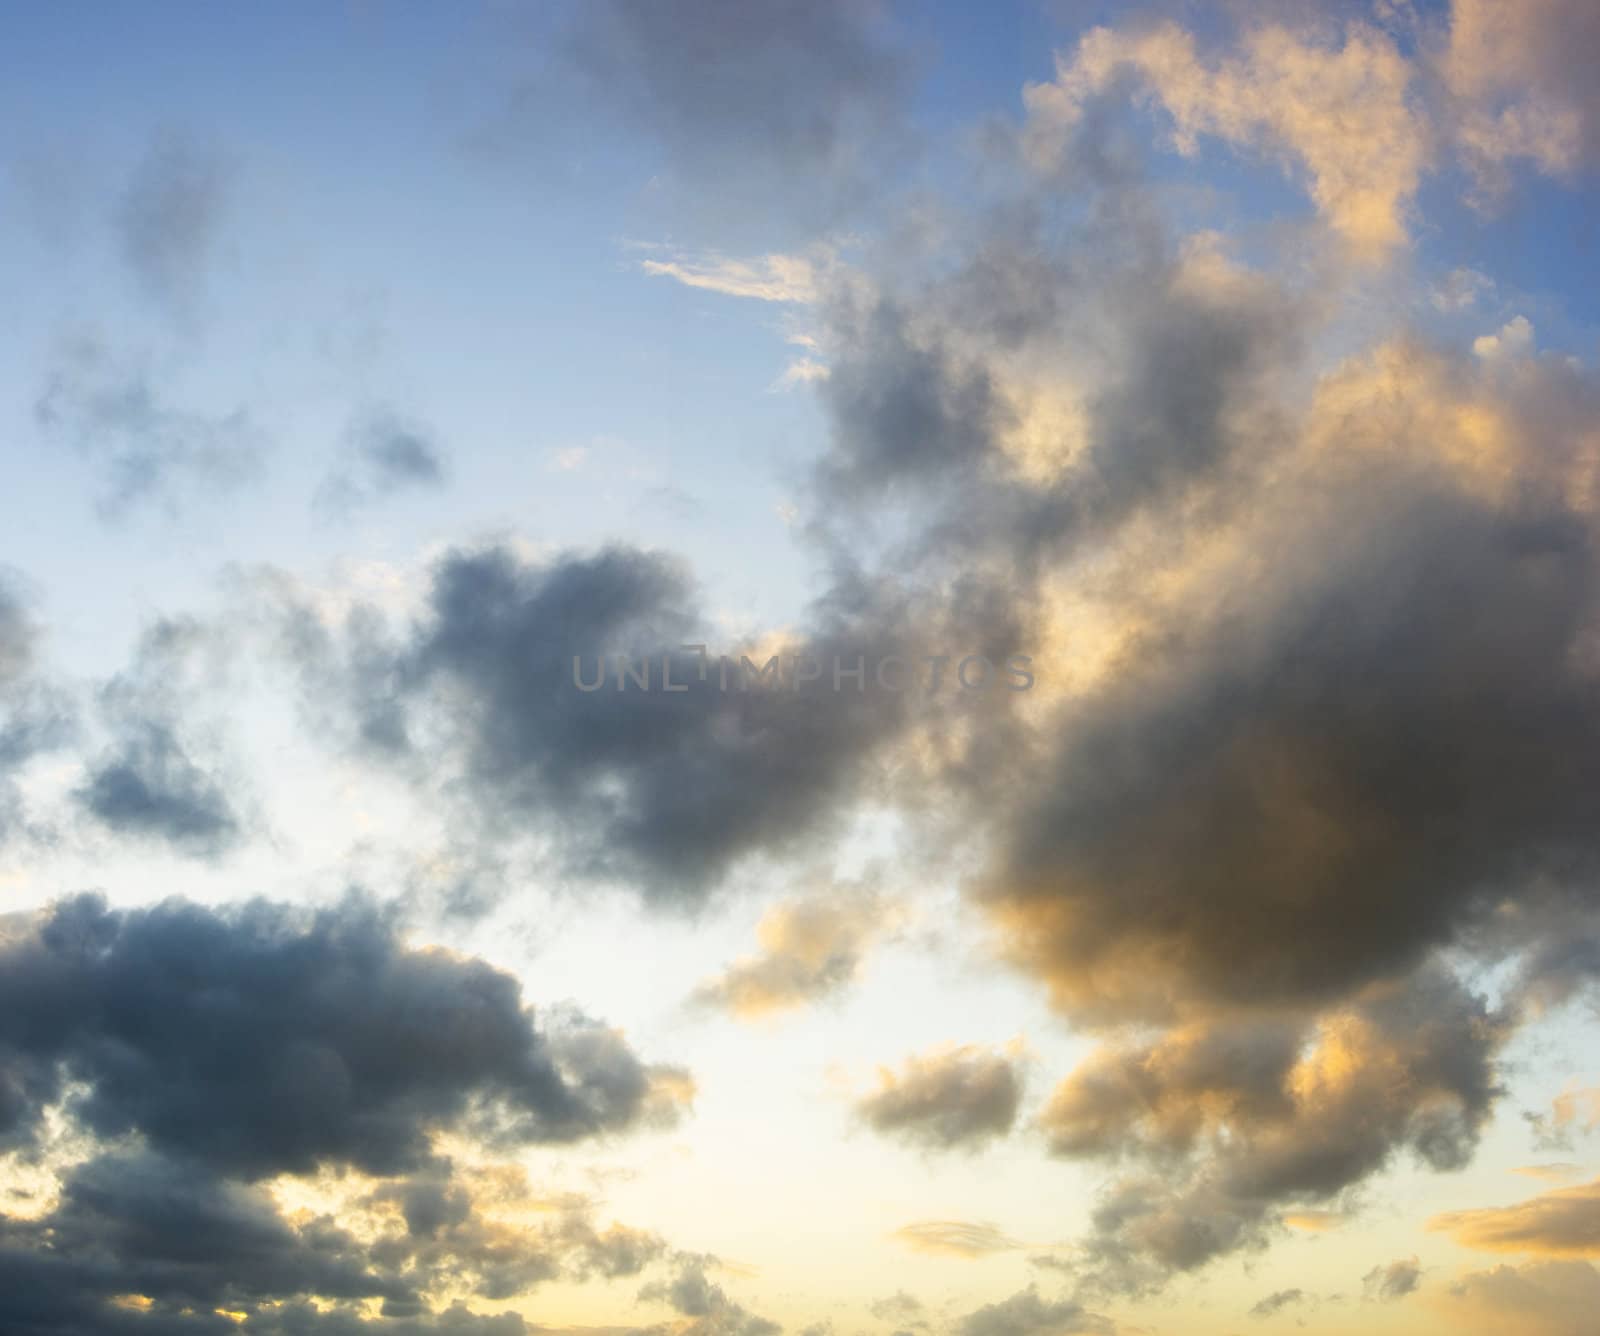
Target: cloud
1460	290
1027	1314
148	784
1276	1302
294	1064
1264	784
947	1099
1561	1223
1239	1121
18	635
170	217
148	450
900	1310
955	1238
768	278
1515	339
705	1307
798	109
1394	1281
476	698
1519	77
1534	1299
36	715
811	948
1571	1113
1341	113
206	1057
384	453
138	1237
1550	1173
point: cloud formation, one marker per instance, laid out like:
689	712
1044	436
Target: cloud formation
1340	113
170	217
811	948
955	1238
1562	1223
148	450
1519	74
384	453
948	1099
1394	1281
1276	1302
249	1046
799	102
1027	1313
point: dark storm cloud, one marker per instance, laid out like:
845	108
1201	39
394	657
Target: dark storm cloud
385	453
244	1044
1274	771
178	1237
666	789
789	102
1027	1314
170	216
256	1041
136	1224
949	1099
148	450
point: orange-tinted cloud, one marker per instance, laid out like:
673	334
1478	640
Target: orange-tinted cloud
1562	1223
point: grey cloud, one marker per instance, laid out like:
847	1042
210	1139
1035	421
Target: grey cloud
1239	1121
384	453
140	1224
907	413
1546	1298
326	1041
17	634
243	1044
170	216
666	790
148	450
1362	674
148	783
710	1312
148	786
947	1099
1519	80
36	715
1027	1314
902	1309
1394	1281
1276	1302
798	103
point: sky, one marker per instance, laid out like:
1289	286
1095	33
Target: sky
740	667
